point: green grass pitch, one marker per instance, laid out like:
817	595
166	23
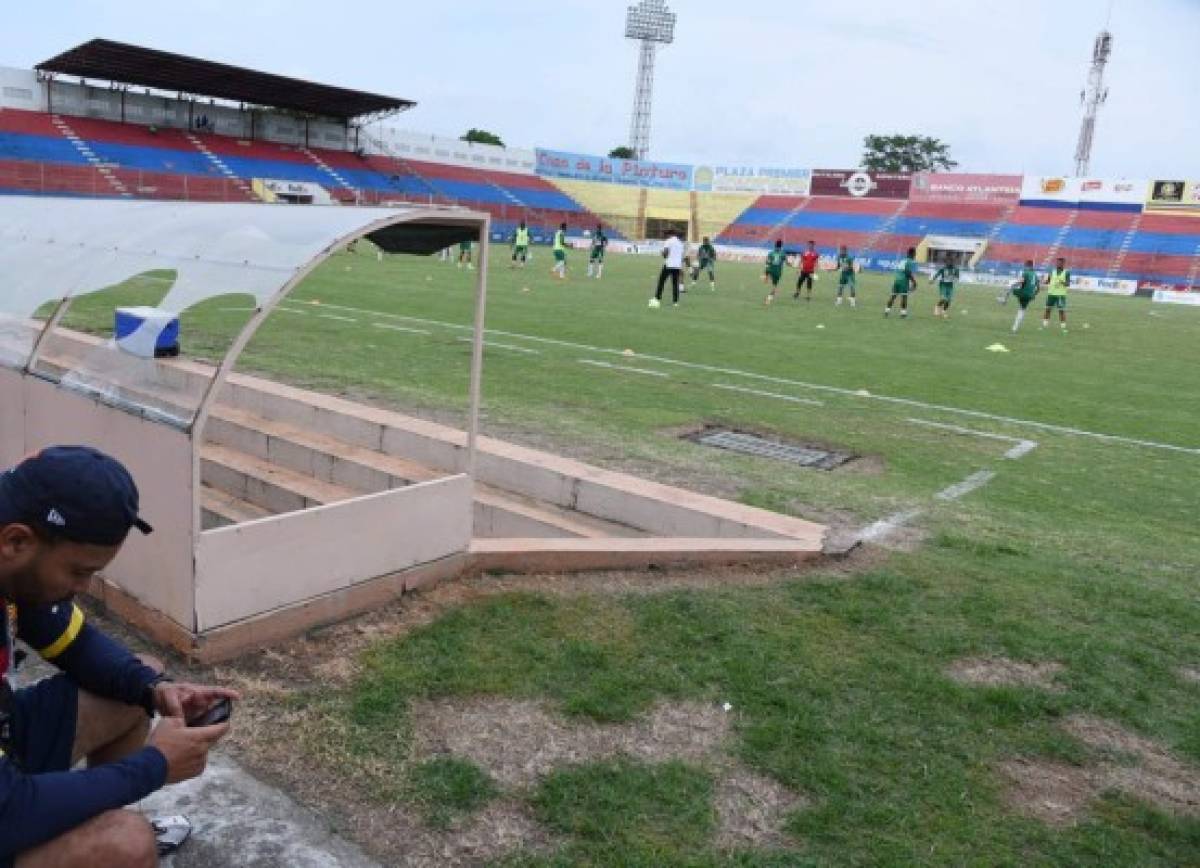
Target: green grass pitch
1081	551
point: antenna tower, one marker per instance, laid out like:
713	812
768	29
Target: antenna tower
1092	97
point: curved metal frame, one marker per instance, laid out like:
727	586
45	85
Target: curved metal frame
468	218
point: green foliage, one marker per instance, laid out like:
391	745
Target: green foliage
449	787
622	152
899	153
624	813
482	137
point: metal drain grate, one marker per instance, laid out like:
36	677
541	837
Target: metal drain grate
749	444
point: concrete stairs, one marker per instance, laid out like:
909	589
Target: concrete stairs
105	170
1194	271
885	228
1115	267
342	183
252	466
1057	244
774	231
219	164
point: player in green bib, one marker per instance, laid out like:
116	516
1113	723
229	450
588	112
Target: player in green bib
520	251
596	256
845	269
706	260
946	277
773	272
904	282
464	254
1058	282
560	253
1025	288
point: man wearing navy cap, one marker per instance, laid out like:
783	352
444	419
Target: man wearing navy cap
64	514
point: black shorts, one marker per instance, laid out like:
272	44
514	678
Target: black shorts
43	727
805	277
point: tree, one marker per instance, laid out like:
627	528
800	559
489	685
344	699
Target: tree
898	153
482	137
622	152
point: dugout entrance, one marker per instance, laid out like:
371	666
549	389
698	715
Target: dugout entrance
658	227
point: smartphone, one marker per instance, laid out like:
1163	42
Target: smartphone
218	712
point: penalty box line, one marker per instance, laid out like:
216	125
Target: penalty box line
834	390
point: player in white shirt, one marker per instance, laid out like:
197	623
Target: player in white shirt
672	268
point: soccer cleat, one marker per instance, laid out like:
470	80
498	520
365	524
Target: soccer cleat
838	302
655	303
853	303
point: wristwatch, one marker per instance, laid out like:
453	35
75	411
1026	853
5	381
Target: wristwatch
147	698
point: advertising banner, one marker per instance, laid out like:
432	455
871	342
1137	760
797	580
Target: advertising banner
1124	194
1105	285
753	179
859	184
1177	296
1174	196
589	167
1051	192
961	187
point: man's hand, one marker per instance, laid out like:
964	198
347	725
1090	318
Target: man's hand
185	748
181	699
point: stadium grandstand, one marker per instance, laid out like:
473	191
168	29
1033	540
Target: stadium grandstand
110	119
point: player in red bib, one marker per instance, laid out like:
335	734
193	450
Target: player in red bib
808	270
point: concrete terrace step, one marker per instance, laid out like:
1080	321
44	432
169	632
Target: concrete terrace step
579	555
258	481
504	514
330	459
321	456
218	509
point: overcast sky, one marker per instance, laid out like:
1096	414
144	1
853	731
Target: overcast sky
777	82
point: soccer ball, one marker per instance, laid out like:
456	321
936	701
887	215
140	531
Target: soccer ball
654	302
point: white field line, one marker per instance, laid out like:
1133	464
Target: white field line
784	381
499	346
336	317
1022	447
774	395
887	526
613	367
399	328
978	479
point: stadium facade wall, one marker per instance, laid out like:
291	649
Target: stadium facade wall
1110	228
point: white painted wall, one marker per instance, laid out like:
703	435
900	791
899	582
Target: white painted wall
245	570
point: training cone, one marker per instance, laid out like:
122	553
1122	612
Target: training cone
820	326
628	352
997	348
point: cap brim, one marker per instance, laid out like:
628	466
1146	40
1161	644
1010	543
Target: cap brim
141	525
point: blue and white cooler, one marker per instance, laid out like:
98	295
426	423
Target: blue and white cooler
149	332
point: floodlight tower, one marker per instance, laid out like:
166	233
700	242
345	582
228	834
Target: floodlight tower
651	23
1092	98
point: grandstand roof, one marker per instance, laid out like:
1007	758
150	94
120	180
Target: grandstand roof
148	67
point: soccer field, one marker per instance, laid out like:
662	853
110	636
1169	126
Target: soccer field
1037	505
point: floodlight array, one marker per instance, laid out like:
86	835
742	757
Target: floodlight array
650	20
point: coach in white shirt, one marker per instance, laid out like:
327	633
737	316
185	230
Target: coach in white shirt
672	266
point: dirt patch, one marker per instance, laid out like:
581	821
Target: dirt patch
1155	776
1002	672
520	741
751	810
1052	792
1190	673
1057	794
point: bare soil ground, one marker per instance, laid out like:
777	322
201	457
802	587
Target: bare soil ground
1002	672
